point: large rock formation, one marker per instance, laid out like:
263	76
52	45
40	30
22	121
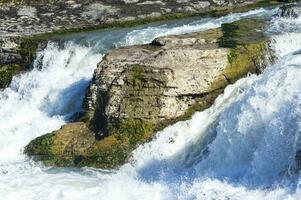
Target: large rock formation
138	90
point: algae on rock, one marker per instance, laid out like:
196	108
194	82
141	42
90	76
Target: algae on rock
136	91
16	55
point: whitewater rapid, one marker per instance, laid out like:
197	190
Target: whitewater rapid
242	147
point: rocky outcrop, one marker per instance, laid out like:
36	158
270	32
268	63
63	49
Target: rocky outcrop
156	82
16	54
139	90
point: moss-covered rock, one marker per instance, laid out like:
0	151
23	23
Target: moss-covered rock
139	90
243	32
248	47
16	55
245	59
75	145
6	76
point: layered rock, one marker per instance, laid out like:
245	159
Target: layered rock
139	90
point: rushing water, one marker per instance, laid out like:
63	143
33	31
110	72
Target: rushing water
243	147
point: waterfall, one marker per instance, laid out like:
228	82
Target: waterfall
243	147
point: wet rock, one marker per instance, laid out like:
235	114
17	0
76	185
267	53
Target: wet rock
298	160
141	89
293	10
16	54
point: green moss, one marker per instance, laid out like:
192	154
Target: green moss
244	59
107	154
56	148
242	32
6	74
289	1
5	78
141	92
246	43
136	75
70	145
131	131
116	149
27	47
86	118
41	146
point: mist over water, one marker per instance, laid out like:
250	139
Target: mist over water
243	147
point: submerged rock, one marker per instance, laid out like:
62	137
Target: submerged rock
292	10
139	90
298	161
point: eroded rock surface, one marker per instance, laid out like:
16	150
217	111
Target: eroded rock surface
157	82
139	90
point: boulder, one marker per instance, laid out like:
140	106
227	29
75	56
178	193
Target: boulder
138	90
297	165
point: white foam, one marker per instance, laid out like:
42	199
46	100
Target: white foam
37	102
286	43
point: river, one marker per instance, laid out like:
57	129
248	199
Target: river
252	131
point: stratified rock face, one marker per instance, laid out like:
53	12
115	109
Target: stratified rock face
293	10
138	90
